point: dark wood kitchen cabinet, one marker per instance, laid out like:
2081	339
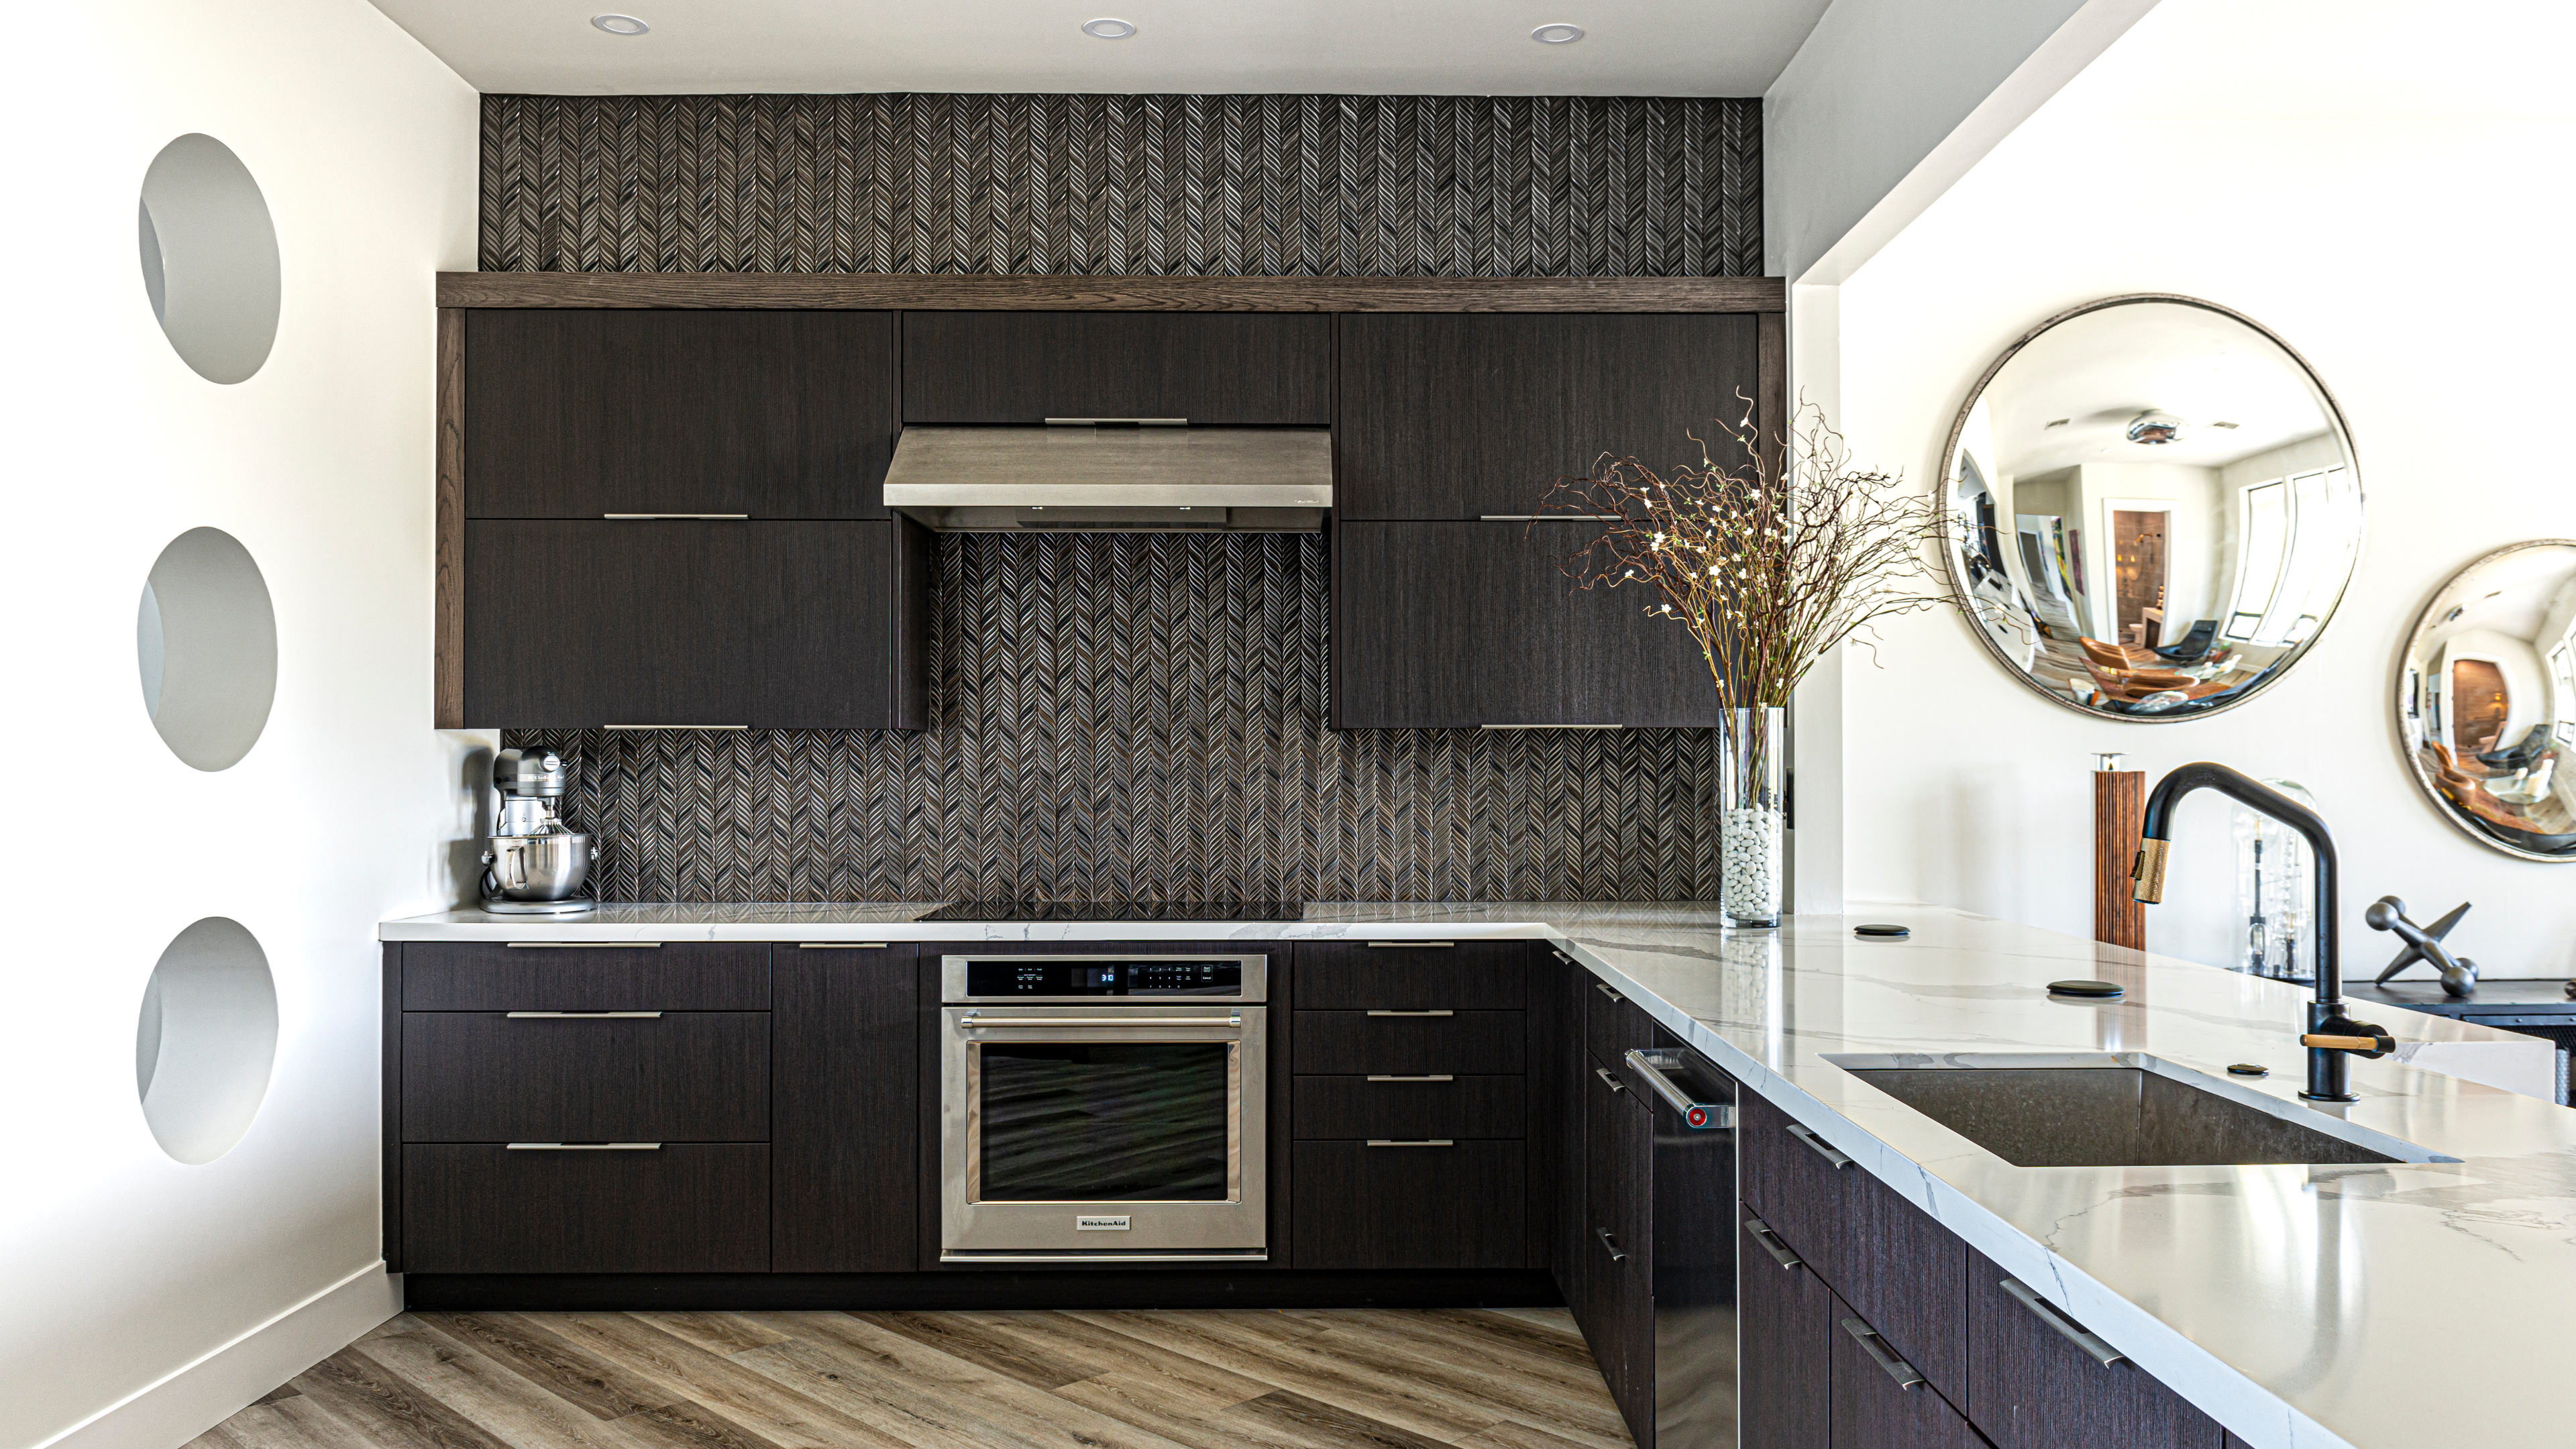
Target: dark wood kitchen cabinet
1456	625
577	624
1880	1401
2031	1385
1784	1345
1617	1314
844	1131
578	413
1208	367
1409	1105
1457	416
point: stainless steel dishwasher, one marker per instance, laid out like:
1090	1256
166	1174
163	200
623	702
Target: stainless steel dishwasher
1694	1258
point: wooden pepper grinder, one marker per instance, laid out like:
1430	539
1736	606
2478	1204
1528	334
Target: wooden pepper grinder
2119	814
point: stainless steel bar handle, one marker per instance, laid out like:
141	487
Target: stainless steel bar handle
1097	1023
1898	1369
1611	1243
674	515
584	1146
1551	727
1444	1011
1771	1243
1410	945
1139	422
673	727
1417	1142
583	1015
1549	517
840	945
1605	989
1435	1077
1613	1082
1823	1149
1704	1115
2093	1346
583	945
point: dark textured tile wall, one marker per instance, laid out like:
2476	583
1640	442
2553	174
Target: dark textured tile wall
1134	717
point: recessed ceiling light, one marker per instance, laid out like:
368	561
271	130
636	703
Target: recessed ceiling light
620	24
1557	34
1107	29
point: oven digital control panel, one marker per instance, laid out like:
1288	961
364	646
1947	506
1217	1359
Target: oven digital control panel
1025	978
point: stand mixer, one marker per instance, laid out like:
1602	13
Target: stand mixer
535	866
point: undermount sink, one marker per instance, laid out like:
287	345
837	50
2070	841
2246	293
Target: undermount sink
2115	1109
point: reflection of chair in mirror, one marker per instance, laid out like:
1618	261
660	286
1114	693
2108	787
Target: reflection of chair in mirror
2536	823
2523	754
2194	645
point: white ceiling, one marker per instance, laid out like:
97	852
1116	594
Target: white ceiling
2106	367
1366	47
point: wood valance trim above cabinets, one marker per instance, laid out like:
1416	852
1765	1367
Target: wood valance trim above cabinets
979	292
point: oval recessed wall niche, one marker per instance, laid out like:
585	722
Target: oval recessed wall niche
209	258
205	643
205	1040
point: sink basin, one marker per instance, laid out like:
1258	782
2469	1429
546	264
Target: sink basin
2115	1109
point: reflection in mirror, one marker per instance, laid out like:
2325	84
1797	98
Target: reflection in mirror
2487	699
2153	508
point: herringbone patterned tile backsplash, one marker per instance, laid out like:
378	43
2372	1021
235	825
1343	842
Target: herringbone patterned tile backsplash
1134	717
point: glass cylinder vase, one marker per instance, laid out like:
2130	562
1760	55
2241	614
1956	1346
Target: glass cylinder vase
1753	801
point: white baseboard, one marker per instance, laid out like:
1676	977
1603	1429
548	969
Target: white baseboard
197	1397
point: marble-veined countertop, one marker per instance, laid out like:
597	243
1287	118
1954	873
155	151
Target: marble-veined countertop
2300	1306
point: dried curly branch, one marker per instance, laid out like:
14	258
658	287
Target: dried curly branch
1766	572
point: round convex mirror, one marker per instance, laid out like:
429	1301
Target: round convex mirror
2486	700
2152	508
205	646
209	254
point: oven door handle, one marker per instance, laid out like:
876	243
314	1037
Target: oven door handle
1078	1022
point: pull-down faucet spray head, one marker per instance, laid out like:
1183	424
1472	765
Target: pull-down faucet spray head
2332	1037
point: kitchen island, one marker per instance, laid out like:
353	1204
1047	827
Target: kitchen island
2296	1305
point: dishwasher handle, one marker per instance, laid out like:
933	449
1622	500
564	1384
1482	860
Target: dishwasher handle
1705	1116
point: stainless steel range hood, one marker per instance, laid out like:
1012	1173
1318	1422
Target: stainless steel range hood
1098	476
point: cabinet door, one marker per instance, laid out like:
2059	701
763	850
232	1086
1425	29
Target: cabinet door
1785	1354
2032	1386
1880	1401
1026	367
1453	625
578	624
1392	1205
844	1134
572	413
836	626
1619	1142
573	624
681	1207
489	1076
1569	1087
1456	416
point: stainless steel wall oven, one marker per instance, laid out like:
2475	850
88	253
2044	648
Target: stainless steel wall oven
1103	1107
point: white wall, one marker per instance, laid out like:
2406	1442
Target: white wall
119	1267
2297	160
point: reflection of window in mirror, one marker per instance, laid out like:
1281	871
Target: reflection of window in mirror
2562	679
2298	535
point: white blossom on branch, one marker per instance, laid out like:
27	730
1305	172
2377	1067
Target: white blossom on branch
1768	568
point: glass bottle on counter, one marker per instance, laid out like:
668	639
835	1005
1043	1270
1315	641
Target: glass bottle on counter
2275	893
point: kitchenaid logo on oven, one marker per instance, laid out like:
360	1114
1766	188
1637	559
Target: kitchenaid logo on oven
1086	1223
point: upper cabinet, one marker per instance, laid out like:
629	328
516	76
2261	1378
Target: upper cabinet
574	413
1473	415
1240	368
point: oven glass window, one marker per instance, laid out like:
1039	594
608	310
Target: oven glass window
1103	1122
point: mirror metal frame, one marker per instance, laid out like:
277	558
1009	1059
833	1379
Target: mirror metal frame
2397	689
1950	552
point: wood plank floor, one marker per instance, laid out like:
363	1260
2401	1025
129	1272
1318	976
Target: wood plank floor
1230	1379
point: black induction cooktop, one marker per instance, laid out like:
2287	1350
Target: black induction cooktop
1119	911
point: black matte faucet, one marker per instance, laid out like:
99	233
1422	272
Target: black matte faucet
2332	1038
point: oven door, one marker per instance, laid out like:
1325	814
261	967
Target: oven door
1083	1133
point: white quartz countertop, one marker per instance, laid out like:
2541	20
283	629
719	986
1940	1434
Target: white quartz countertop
2300	1306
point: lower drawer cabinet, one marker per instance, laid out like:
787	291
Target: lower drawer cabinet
1360	1043
1407	1205
679	1208
685	1076
1417	1105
